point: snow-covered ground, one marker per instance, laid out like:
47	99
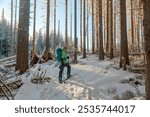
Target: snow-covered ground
92	79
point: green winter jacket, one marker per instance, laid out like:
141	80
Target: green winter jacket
64	56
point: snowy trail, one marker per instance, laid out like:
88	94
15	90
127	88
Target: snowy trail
30	91
92	81
74	88
80	90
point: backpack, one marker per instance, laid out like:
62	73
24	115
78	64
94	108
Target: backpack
58	54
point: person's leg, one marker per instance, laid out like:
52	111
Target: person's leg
68	70
61	67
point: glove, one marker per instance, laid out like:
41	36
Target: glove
67	57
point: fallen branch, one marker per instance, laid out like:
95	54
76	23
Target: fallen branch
137	69
15	84
40	78
41	56
3	91
5	85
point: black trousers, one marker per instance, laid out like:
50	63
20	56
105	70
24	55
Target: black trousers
61	67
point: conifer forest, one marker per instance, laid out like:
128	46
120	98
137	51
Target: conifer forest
107	43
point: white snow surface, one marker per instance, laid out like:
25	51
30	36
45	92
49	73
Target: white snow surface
92	80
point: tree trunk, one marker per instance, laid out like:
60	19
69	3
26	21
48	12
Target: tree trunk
33	42
54	25
23	36
115	14
105	25
124	42
142	27
47	53
84	31
1	44
66	26
107	42
93	31
75	31
101	49
97	26
138	27
147	45
15	28
59	42
87	24
81	25
71	31
132	26
110	26
11	28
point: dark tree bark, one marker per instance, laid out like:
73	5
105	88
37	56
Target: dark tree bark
11	28
124	42
101	49
138	28
105	25
97	26
33	41
147	45
15	28
23	36
1	44
47	53
81	25
66	25
110	31
54	25
75	31
115	36
87	24
84	31
132	26
93	31
107	41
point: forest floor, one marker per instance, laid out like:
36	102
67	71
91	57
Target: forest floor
92	80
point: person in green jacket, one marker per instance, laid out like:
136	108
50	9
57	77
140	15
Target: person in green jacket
64	63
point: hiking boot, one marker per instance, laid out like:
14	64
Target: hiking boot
69	76
60	81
